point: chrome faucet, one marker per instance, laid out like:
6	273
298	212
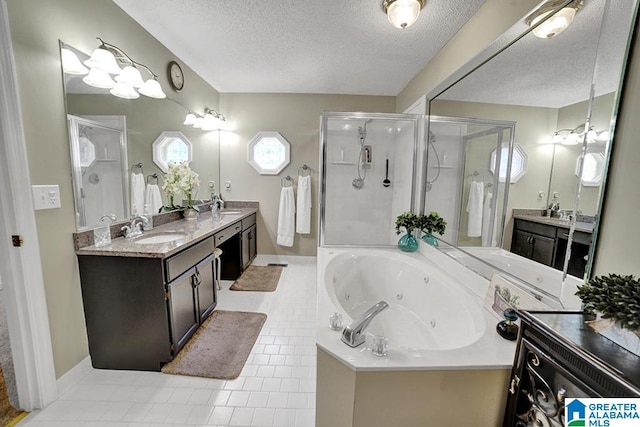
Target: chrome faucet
135	229
354	334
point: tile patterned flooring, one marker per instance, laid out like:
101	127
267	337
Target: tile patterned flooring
276	388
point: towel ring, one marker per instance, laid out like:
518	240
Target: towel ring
153	176
138	165
304	168
286	179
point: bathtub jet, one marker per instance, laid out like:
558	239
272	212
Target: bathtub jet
354	334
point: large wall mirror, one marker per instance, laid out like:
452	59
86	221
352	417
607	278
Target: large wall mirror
112	137
558	95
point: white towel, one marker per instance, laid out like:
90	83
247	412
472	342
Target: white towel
486	220
474	207
286	217
153	198
137	194
303	205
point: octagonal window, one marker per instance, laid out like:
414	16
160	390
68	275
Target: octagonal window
87	152
592	169
518	163
171	147
268	153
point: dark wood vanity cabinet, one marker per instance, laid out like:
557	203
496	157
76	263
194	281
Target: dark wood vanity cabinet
559	356
533	246
140	311
249	241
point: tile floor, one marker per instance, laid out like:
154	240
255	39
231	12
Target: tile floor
276	387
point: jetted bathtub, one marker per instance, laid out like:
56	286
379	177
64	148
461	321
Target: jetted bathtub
433	321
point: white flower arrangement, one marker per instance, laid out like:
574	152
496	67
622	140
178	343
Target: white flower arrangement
180	179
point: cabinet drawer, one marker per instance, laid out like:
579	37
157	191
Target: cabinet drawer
181	262
578	237
534	227
224	235
248	221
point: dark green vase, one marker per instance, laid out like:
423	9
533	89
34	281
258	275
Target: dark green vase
430	239
408	243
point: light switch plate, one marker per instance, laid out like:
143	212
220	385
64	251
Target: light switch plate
46	196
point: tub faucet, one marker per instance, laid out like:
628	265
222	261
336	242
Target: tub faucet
354	334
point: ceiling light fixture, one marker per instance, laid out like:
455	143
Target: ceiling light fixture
107	59
402	13
553	17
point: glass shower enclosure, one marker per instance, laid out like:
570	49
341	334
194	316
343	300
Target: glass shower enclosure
367	169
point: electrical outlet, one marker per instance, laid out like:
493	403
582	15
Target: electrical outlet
212	185
46	196
227	185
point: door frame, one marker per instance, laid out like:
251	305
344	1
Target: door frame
20	267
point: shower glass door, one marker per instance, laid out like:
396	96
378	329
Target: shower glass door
367	164
98	153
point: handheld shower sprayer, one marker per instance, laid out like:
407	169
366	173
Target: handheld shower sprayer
364	158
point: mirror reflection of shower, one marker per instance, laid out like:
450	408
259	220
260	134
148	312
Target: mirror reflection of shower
431	144
363	163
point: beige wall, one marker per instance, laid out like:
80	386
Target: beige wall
408	398
490	22
297	118
617	248
36	27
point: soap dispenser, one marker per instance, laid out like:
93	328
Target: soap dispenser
102	234
506	328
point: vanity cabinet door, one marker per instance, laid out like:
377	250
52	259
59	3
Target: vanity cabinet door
248	246
183	312
520	243
542	249
204	276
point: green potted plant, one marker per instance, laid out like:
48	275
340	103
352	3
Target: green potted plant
430	224
616	301
408	222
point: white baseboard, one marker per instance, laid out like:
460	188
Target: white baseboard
265	259
74	375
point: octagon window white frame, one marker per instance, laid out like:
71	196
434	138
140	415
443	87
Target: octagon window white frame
268	153
518	163
592	170
162	150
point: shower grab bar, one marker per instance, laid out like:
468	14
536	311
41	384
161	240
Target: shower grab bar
304	168
286	179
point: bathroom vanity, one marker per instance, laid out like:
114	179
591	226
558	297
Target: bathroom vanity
143	301
559	356
545	240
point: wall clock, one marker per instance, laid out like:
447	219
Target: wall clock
176	77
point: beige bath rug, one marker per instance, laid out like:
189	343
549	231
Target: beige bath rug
9	416
258	279
220	348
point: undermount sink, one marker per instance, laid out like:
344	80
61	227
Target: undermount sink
159	238
230	212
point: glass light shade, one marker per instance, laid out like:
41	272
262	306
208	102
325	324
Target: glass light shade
190	119
557	139
604	136
198	123
71	64
403	13
103	60
210	122
125	91
152	89
572	139
99	78
592	136
555	24
130	76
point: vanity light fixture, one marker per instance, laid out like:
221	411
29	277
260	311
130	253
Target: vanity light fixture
210	120
71	64
402	13
577	135
556	18
106	60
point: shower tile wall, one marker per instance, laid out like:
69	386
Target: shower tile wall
366	216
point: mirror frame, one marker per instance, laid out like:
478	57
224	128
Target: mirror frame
503	42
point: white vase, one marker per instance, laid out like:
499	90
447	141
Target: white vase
190	214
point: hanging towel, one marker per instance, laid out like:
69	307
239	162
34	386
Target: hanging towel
303	206
486	220
286	217
474	207
153	198
137	194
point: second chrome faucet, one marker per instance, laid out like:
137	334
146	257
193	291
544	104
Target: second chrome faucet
354	334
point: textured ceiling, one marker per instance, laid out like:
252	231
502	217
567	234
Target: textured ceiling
556	72
300	46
